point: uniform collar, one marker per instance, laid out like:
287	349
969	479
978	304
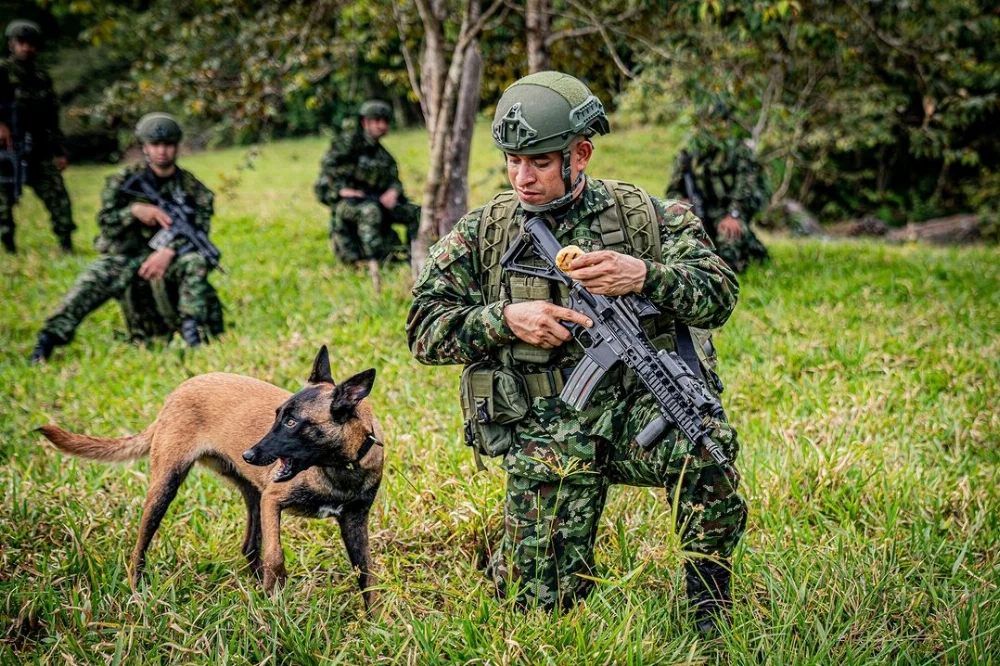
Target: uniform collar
594	200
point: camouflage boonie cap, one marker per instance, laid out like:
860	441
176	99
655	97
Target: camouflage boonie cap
158	128
375	108
542	112
24	31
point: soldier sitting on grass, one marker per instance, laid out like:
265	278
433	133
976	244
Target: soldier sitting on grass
359	181
127	223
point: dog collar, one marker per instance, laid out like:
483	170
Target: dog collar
366	446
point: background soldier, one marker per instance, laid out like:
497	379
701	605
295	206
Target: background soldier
508	332
28	105
127	223
359	180
731	184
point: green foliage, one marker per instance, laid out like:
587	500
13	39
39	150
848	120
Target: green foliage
862	378
888	106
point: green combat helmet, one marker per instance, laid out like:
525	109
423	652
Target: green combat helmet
542	113
24	31
158	128
375	108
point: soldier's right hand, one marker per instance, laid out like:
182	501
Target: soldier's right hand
5	138
538	322
350	193
150	215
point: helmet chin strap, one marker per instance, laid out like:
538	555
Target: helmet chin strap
565	199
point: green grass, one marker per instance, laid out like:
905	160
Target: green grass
863	379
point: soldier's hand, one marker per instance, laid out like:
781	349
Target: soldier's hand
350	193
609	273
61	162
729	228
150	215
5	138
538	322
389	199
156	264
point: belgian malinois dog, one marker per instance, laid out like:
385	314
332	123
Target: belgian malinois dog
320	456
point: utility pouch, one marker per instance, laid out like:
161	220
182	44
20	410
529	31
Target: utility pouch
493	400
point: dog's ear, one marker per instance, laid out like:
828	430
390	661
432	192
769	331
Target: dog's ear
321	368
349	393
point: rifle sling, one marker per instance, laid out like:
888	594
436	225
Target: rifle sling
686	350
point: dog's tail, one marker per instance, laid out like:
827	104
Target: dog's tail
108	449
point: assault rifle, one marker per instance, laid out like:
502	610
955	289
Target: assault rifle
16	176
691	188
180	213
617	335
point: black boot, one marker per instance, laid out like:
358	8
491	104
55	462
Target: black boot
43	348
66	244
708	588
8	242
189	333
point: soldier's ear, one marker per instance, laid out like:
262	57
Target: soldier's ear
321	368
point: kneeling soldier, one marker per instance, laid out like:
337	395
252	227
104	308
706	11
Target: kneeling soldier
127	223
508	331
359	181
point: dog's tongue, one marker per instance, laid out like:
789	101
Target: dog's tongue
284	470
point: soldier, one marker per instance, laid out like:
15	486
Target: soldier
127	222
508	332
731	184
359	180
28	106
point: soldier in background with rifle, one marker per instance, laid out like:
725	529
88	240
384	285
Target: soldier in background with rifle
512	333
154	222
359	181
31	143
722	179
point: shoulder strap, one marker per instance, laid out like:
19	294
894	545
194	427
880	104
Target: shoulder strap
495	230
635	214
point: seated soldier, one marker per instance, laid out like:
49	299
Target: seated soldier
150	309
731	184
359	181
127	223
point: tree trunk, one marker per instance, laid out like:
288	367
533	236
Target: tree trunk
456	192
538	25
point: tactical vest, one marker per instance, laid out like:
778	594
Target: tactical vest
629	226
494	398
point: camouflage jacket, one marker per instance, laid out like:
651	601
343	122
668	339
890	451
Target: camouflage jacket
449	322
29	89
728	175
121	233
356	161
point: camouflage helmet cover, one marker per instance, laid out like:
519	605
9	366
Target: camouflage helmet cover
542	112
24	31
158	128
375	108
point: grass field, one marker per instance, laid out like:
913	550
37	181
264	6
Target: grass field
863	379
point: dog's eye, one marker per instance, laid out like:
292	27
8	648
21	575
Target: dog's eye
291	423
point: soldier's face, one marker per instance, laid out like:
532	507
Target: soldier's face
376	128
160	155
537	179
23	50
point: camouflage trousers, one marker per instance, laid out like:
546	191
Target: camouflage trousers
551	519
111	275
738	253
363	229
47	182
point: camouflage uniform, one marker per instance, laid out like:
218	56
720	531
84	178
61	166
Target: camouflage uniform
562	461
24	86
730	179
123	241
362	228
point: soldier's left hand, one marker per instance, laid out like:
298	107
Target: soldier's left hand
389	199
729	228
609	273
61	162
156	264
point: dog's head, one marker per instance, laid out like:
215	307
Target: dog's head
325	424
